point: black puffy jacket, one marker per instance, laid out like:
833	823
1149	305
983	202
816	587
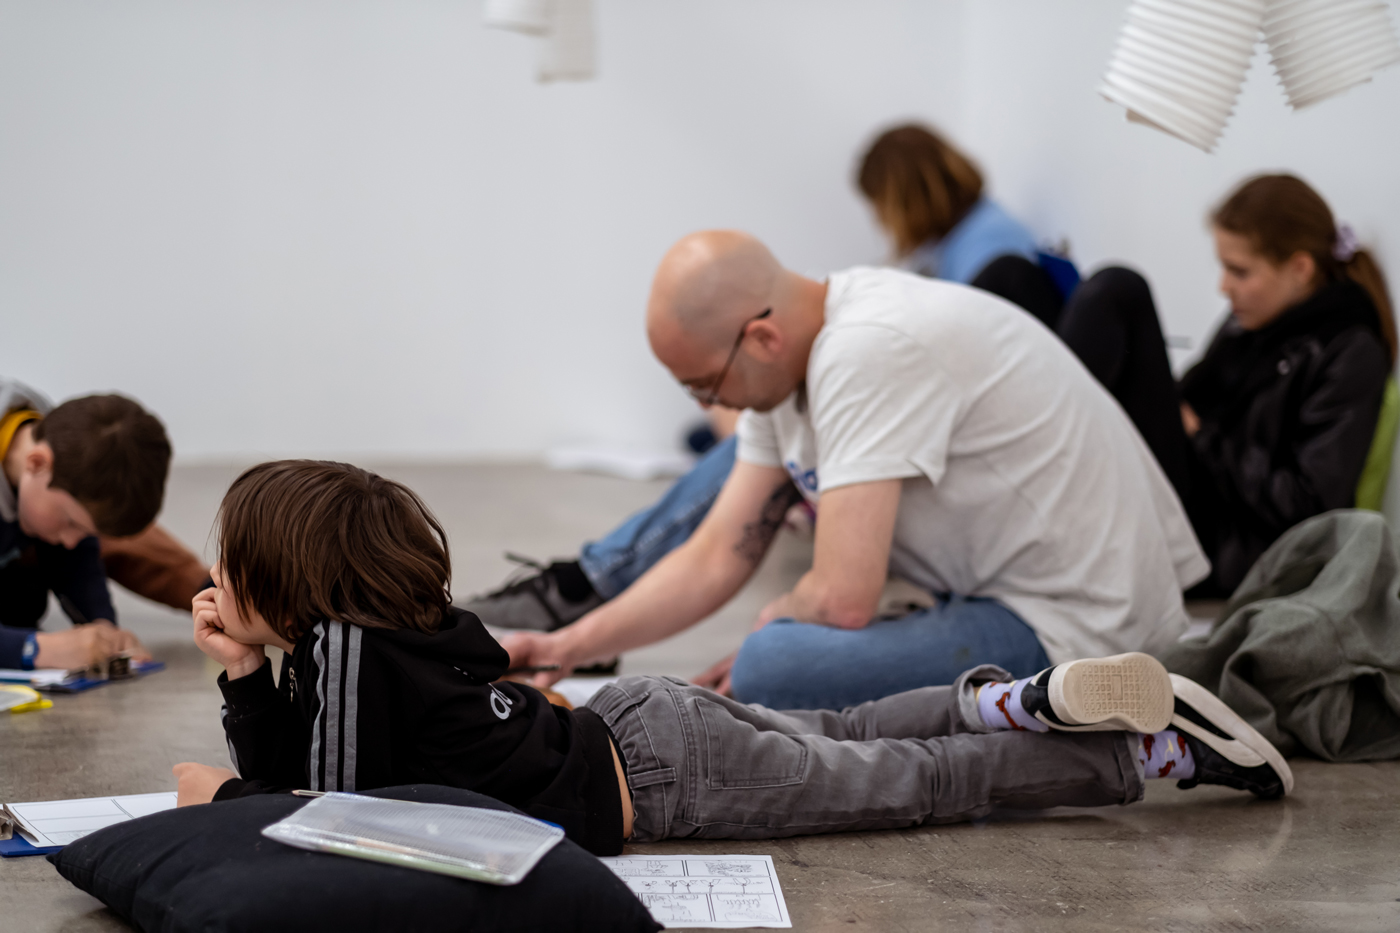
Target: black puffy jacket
1287	414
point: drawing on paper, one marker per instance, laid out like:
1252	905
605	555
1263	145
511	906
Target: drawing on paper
732	868
678	909
747	907
706	893
647	867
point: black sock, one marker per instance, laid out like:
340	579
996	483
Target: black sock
574	585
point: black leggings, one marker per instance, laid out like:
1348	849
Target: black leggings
1024	283
1111	324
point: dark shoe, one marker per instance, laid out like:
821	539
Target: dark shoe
1130	692
1228	750
555	596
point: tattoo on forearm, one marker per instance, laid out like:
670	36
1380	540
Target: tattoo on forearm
758	535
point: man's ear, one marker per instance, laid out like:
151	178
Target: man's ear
766	341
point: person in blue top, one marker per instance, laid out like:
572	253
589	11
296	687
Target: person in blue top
986	233
929	198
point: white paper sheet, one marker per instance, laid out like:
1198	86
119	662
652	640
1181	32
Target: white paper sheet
59	822
43	677
618	461
706	892
579	690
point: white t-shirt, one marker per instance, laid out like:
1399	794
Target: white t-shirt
1023	478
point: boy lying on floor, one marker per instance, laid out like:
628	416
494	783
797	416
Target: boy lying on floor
385	683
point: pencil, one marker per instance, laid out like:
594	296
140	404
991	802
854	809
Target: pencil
533	669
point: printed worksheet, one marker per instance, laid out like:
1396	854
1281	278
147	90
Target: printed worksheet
59	822
715	892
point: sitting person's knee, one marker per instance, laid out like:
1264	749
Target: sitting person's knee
1113	281
1008	268
760	663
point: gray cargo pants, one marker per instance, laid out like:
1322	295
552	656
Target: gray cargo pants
704	766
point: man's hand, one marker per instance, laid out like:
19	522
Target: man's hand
780	608
716	676
198	783
86	646
535	649
685	586
238	659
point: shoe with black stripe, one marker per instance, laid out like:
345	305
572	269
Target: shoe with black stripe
546	600
1228	751
1130	692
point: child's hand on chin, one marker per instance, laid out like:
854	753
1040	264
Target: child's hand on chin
198	783
237	658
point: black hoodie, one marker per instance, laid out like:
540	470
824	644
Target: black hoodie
1288	413
359	709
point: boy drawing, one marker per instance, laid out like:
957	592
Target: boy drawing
385	683
92	466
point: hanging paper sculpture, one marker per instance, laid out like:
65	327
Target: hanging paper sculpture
1323	47
566	48
1179	64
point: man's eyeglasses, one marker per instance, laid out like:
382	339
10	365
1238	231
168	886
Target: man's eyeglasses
710	396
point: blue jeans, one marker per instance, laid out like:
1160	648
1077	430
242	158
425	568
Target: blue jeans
630	550
793	665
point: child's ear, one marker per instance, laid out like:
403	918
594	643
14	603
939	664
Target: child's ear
39	459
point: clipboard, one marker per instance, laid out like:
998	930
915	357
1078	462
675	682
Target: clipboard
42	827
59	681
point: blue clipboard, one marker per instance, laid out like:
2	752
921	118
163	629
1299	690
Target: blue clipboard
18	847
79	684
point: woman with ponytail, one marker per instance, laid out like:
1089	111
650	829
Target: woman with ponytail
1275	422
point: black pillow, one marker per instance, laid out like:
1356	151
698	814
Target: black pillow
210	869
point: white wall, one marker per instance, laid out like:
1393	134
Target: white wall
345	227
1067	161
348	227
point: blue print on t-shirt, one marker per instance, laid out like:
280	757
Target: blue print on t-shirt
806	479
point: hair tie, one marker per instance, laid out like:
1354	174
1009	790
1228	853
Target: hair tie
1346	244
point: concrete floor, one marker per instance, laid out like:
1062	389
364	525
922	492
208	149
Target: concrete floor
1206	859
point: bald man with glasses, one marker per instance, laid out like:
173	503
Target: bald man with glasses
943	435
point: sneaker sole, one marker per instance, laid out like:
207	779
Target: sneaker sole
1247	748
1130	692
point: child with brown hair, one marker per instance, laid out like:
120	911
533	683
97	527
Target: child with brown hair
82	484
385	683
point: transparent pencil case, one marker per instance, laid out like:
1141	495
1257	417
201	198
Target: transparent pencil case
466	842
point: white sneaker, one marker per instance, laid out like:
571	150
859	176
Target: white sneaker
1227	749
1130	692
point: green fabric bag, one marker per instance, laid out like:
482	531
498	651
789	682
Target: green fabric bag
1307	651
1370	491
